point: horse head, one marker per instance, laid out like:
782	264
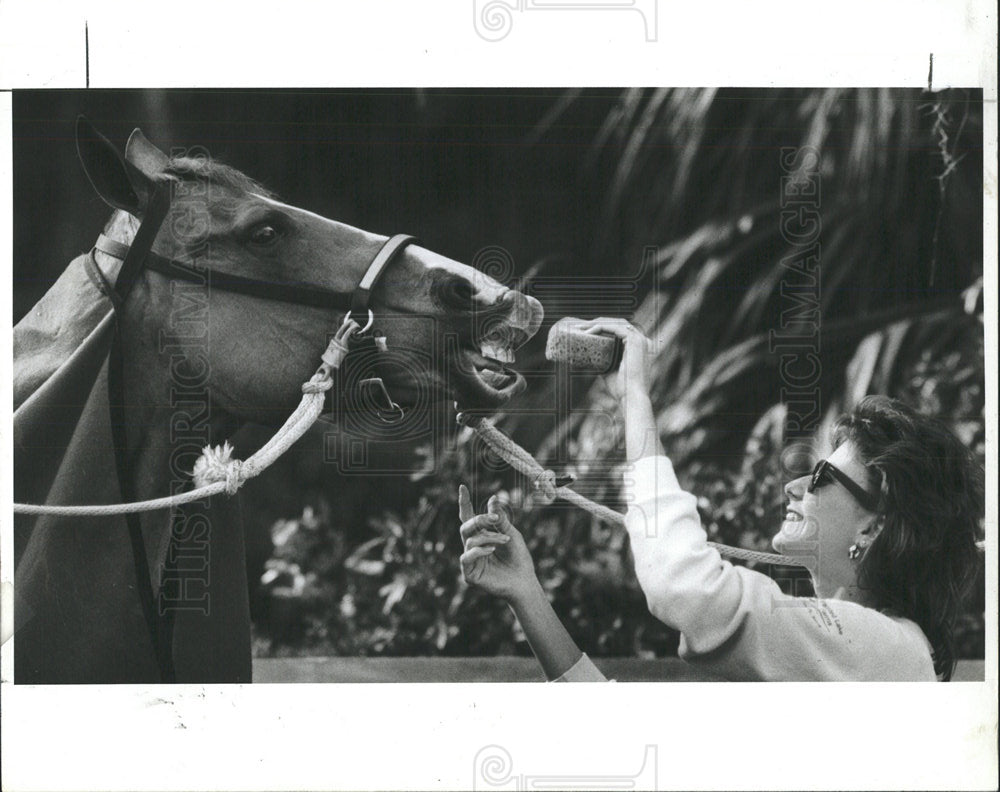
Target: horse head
446	330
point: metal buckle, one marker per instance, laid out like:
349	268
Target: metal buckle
392	408
368	325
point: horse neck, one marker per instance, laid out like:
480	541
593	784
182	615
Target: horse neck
169	412
170	417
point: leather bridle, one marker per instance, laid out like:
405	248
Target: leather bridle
298	293
138	256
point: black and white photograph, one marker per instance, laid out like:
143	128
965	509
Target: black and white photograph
463	389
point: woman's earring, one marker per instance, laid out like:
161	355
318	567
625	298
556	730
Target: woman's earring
854	552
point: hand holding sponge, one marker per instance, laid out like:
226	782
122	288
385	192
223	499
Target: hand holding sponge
582	351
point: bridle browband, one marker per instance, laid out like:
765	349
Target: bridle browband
138	256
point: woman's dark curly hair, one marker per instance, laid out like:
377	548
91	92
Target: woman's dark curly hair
924	561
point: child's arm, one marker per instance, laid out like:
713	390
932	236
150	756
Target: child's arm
556	651
497	559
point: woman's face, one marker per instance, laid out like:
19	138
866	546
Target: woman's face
823	524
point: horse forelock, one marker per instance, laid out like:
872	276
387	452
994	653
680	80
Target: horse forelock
215	172
122	225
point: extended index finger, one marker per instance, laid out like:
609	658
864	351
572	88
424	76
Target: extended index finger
479	523
465	510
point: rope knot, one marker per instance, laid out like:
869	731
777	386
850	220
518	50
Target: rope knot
234	476
545	485
318	384
216	464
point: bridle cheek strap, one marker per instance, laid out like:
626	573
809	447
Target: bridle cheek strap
159	625
389	411
142	243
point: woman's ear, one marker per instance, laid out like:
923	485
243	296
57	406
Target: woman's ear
120	184
874	528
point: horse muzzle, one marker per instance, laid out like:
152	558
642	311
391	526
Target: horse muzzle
483	370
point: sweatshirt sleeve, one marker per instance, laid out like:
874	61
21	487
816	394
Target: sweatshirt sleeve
737	623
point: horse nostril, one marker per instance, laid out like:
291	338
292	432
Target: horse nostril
458	293
524	312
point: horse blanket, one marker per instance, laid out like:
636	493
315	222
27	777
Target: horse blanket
78	614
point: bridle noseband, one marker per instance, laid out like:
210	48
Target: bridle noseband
139	255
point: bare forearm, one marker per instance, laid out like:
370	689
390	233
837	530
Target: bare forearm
641	436
556	651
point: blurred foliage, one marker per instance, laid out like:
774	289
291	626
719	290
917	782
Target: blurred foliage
696	177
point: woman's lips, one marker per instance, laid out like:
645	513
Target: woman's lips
796	527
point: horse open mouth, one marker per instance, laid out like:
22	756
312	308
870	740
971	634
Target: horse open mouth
485	378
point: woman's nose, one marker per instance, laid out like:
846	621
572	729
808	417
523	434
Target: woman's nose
795	488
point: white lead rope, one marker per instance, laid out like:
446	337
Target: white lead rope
215	471
544	482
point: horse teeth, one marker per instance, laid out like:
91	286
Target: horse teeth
501	353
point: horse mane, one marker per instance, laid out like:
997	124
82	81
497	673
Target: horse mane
190	169
216	172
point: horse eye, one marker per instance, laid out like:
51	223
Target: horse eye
264	235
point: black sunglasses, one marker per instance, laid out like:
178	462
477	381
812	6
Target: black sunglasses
824	471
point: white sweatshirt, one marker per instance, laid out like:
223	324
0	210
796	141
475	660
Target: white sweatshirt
736	623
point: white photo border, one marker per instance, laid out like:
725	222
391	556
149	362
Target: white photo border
399	736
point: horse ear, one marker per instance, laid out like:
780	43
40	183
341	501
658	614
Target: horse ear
142	154
119	185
